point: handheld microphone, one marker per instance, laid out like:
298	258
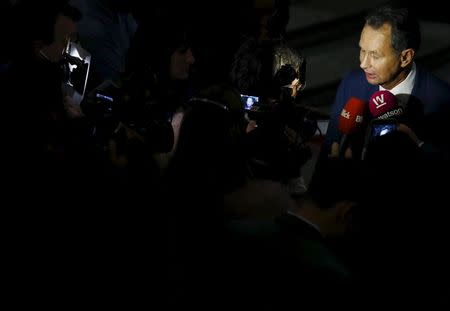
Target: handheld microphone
385	110
352	116
383	105
351	119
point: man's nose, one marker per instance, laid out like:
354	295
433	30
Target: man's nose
364	62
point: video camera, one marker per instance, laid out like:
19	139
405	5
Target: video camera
76	65
109	104
254	107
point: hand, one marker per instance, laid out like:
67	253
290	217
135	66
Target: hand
73	110
348	153
117	159
251	126
334	150
129	134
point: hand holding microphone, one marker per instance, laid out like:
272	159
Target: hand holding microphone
387	116
350	121
383	105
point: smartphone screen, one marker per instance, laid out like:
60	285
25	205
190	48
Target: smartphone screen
249	101
376	129
100	96
383	127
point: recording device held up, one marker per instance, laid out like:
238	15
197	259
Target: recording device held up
381	127
270	76
386	114
111	104
76	65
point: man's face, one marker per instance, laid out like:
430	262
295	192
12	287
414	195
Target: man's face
180	63
378	59
65	29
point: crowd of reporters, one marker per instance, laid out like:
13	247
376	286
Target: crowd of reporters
163	177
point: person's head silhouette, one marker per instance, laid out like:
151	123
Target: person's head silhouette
249	102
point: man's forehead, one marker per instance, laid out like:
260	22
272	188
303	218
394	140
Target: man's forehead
381	32
373	39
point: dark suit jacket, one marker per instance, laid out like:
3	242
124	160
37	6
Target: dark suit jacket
427	110
303	242
310	273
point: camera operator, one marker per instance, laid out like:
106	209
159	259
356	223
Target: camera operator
138	119
274	73
49	136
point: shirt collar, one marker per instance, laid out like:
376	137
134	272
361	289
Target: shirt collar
406	86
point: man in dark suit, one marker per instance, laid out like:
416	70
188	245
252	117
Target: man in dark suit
388	44
311	269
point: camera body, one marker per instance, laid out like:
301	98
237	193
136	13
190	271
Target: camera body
256	108
102	103
278	146
108	105
75	66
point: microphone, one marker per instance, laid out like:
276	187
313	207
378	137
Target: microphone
383	105
351	119
385	110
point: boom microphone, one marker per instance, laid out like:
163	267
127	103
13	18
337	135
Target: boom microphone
383	105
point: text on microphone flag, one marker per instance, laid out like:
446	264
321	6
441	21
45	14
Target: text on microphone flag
379	101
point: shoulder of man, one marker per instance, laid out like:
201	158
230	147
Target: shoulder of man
353	84
356	78
432	80
432	88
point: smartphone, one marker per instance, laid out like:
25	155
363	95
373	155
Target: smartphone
249	101
380	127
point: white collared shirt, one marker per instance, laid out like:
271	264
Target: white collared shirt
406	86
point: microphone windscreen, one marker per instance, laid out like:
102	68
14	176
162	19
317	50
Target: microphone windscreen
383	104
352	115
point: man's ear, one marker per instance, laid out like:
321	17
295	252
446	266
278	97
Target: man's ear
406	57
